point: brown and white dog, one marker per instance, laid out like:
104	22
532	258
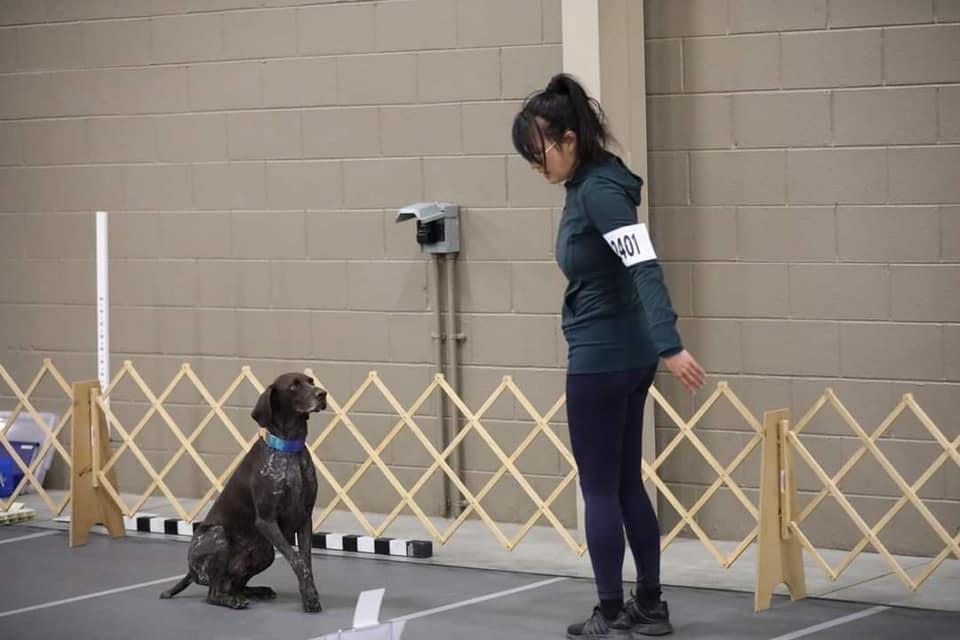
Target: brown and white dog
266	502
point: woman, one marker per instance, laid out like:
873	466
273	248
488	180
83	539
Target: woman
618	323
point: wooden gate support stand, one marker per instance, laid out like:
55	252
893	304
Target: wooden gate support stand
90	503
779	558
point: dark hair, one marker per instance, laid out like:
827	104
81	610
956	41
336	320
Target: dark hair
563	106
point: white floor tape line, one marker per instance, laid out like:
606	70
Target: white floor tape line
29	537
800	633
465	603
56	603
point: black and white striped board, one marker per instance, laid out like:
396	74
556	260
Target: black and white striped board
149	523
369	544
152	523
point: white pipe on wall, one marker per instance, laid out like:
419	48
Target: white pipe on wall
103	301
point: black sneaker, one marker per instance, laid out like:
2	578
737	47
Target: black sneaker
648	619
597	626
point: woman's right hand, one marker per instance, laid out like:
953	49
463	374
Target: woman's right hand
686	369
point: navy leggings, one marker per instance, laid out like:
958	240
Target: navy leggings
605	414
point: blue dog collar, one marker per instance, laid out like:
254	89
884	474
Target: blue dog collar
288	446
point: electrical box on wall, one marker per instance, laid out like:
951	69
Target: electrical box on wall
438	225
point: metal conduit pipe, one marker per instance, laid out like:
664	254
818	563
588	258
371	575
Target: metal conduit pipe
454	338
438	337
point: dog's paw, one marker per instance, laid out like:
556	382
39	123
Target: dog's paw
166	595
238	602
311	600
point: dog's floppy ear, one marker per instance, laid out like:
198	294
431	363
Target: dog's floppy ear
263	411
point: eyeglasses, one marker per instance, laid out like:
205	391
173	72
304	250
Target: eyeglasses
537	165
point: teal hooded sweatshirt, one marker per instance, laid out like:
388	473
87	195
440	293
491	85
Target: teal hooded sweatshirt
616	313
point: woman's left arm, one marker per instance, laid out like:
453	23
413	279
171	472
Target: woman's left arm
614	215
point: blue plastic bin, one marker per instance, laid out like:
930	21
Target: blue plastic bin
10	473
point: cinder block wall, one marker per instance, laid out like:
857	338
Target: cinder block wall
804	165
252	156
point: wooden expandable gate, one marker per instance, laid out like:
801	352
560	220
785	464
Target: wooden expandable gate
776	522
24	403
792	522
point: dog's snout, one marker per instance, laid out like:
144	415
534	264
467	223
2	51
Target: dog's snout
320	398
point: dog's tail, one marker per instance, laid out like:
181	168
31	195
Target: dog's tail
177	588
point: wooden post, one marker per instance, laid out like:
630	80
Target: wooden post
779	558
792	552
90	503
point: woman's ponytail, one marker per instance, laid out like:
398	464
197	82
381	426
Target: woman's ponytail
562	106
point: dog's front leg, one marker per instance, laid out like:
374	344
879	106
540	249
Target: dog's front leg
301	568
308	590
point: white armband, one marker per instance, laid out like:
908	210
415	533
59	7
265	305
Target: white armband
631	243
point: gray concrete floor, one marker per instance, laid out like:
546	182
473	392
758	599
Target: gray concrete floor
685	563
52	591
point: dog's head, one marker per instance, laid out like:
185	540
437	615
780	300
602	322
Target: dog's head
291	395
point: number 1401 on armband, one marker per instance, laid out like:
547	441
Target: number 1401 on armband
631	243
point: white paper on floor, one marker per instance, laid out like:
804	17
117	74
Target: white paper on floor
366	621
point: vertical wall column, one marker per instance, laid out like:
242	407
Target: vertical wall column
603	47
